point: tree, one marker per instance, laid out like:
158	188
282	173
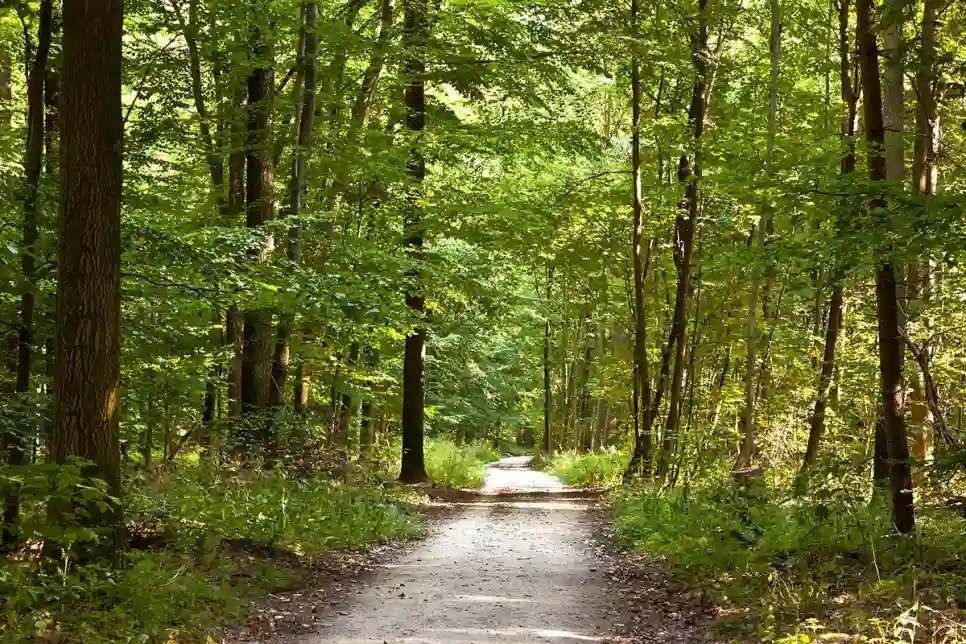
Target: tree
887	305
87	376
414	364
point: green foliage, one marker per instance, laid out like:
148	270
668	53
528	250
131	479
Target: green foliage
453	466
593	469
204	539
781	565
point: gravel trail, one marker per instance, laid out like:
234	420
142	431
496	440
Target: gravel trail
511	572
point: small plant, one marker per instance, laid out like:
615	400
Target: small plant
454	466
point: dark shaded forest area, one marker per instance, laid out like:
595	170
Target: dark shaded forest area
266	264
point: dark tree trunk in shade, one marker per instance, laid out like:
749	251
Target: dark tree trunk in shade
891	346
14	442
260	172
87	377
413	468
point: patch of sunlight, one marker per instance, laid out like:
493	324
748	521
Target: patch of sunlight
493	599
496	635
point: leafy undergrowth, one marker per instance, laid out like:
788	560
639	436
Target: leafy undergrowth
203	542
786	569
458	467
592	469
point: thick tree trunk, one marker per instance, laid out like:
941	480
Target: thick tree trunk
88	366
887	305
752	375
835	314
416	27
13	442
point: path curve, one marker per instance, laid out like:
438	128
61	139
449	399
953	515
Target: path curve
518	564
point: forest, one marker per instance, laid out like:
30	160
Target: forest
275	272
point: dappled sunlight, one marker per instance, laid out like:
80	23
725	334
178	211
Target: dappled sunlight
492	599
486	636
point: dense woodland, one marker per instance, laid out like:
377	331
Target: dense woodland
716	240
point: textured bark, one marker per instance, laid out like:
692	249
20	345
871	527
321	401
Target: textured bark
13	442
835	314
88	368
416	28
887	305
753	373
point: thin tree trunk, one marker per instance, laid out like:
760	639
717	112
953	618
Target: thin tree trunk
303	148
924	184
835	314
88	365
752	375
416	27
33	165
689	176
547	386
887	305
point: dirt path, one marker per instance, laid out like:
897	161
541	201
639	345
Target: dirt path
509	569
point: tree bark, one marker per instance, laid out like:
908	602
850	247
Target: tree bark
88	366
413	469
547	385
887	305
835	314
13	442
689	176
260	172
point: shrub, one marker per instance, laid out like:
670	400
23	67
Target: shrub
454	466
593	469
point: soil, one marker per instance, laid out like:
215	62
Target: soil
525	560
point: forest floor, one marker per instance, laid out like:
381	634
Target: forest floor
525	560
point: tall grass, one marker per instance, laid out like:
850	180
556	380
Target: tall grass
454	466
593	469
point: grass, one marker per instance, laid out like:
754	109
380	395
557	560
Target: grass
206	541
459	467
591	469
785	569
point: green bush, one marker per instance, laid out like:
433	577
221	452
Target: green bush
456	466
782	565
593	469
205	540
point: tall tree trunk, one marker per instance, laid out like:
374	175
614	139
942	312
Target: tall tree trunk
88	365
752	374
835	314
689	176
416	27
924	185
887	305
260	172
642	379
547	385
33	165
303	148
